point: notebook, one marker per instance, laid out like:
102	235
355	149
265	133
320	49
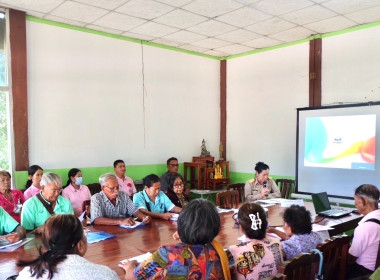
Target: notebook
323	208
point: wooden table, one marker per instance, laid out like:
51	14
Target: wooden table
130	243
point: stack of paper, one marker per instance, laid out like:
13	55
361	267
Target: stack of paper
174	217
97	236
136	225
139	258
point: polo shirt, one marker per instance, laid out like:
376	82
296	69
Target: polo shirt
101	206
76	197
31	191
162	204
34	213
366	241
126	185
7	223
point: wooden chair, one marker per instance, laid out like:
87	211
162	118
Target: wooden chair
286	187
302	267
94	188
227	199
238	187
335	257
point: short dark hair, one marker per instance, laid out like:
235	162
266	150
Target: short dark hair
60	236
298	218
370	192
260	166
116	162
150	180
172	180
246	223
170	159
199	222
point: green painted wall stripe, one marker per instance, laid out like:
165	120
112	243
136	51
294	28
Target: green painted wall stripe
115	36
119	37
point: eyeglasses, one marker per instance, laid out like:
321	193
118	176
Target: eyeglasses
235	217
58	191
181	185
174	165
115	189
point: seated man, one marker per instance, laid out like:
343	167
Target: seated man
113	207
11	227
47	202
167	177
153	202
125	183
363	250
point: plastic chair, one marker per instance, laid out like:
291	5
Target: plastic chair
335	253
227	199
302	267
286	187
238	187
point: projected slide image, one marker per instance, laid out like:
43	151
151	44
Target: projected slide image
341	142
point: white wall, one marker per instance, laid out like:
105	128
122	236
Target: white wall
85	100
263	92
351	67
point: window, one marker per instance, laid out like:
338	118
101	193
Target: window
4	98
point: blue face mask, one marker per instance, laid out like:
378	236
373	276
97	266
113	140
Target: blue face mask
78	180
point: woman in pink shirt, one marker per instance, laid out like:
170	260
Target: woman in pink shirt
33	184
75	191
10	200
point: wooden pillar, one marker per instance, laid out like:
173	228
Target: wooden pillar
17	37
315	73
223	106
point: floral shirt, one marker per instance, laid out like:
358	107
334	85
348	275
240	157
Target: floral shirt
182	261
10	205
255	259
300	243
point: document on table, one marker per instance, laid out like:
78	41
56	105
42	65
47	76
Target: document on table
290	202
97	236
139	258
225	210
174	217
136	225
5	246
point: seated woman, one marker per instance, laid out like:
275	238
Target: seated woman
258	256
61	256
32	186
176	192
10	200
262	186
196	257
75	192
48	201
298	237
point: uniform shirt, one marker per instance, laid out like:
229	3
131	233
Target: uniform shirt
74	267
181	261
101	206
126	185
76	197
9	206
31	191
252	189
162	204
7	223
300	243
255	259
34	213
366	241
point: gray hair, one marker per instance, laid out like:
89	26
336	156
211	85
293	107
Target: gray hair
369	192
49	178
103	178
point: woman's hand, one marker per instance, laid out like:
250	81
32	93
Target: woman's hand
264	193
13	237
129	267
176	236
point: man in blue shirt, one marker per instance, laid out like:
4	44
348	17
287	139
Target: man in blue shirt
152	201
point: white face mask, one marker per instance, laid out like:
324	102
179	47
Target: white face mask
78	180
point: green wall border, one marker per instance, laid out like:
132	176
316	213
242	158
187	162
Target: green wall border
124	38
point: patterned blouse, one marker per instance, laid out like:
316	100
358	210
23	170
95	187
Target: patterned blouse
300	243
9	205
181	261
255	259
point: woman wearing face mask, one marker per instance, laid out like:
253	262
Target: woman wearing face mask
75	191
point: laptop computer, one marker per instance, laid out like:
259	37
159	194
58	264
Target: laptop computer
323	208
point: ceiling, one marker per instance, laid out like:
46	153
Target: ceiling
217	28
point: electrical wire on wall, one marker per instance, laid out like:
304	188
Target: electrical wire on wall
143	86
